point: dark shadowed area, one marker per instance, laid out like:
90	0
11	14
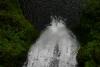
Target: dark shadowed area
39	11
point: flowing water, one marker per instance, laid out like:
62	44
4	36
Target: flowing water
56	47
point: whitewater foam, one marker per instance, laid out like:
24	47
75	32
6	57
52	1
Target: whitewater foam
56	47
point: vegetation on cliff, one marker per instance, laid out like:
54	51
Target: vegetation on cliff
16	34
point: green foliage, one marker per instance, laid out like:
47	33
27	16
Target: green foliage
16	34
90	64
89	53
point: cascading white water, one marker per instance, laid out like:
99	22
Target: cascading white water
56	47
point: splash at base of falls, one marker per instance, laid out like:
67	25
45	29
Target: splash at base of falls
56	47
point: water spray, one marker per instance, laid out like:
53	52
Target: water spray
57	46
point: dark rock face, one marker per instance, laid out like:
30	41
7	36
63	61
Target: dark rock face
39	11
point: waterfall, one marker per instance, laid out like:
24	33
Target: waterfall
57	46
